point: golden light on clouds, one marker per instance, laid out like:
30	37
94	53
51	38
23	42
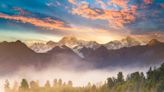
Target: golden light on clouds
116	18
99	35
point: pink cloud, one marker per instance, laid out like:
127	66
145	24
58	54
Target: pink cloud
115	18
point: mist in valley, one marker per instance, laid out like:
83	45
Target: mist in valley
79	74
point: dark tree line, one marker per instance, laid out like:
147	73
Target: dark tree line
138	82
153	81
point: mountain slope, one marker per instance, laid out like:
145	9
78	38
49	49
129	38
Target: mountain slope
14	55
136	55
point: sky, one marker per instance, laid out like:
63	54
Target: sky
98	20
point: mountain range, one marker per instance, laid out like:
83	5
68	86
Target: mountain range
14	55
77	45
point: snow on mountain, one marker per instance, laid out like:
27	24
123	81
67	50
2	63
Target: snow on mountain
69	41
129	42
126	42
113	45
42	47
76	45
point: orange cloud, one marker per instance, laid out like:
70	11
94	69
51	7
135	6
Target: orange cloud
87	12
116	18
46	22
53	24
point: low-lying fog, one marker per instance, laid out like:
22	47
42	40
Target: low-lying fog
78	77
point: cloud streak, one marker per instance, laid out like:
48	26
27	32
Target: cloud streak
49	23
45	22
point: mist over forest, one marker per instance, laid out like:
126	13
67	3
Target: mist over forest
150	81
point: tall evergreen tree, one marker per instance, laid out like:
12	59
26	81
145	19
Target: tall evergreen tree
24	84
120	77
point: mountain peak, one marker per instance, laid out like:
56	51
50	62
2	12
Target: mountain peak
129	39
19	42
153	42
51	43
68	39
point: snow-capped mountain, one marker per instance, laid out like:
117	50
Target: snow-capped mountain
126	42
129	42
74	43
113	45
69	41
42	47
77	45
